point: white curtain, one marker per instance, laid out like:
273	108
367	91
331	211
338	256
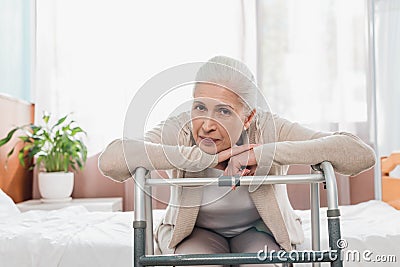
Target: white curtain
92	56
387	53
314	62
313	66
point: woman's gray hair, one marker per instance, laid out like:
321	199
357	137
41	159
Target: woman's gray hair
232	74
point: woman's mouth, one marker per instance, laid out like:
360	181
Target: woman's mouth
208	141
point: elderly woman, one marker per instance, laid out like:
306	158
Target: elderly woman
224	134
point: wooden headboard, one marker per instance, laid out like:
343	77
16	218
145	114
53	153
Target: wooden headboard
15	180
390	185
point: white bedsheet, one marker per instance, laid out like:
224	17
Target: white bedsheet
370	226
75	237
68	237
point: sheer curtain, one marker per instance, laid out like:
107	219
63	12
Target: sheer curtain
387	52
313	69
314	62
93	55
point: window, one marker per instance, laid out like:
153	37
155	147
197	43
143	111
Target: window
313	61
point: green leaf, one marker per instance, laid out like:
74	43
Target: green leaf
79	164
85	155
34	151
66	128
8	137
27	147
60	121
24	138
21	157
46	117
11	151
35	129
47	136
74	167
39	161
76	130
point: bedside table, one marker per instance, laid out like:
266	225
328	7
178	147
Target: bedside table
91	204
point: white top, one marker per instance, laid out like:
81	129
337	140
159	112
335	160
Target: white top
226	211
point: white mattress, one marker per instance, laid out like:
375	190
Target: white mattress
75	237
370	226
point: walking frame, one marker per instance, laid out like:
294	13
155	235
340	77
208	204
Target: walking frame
143	222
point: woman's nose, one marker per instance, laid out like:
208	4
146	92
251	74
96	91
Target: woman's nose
209	125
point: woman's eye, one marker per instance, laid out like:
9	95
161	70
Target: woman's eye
225	111
200	107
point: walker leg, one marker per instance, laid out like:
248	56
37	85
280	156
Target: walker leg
139	242
334	240
139	224
315	227
333	213
149	220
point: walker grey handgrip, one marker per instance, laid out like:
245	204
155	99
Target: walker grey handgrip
229	181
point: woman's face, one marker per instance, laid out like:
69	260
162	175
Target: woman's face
218	117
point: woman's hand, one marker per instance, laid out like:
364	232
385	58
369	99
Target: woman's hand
246	159
225	155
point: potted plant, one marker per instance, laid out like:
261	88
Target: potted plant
57	149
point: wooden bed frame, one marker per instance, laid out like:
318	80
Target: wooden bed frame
15	180
390	185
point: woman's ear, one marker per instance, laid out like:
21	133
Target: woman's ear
248	119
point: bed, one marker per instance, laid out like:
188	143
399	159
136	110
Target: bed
74	236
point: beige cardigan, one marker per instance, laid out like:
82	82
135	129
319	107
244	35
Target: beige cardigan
171	146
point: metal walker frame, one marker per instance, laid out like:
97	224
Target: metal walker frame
143	222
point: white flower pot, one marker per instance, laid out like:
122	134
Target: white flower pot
56	186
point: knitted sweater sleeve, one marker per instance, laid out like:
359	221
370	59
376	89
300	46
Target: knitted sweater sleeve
296	144
162	148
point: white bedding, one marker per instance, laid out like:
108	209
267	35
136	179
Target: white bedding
370	226
75	237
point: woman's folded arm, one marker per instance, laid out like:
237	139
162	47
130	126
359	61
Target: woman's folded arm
122	157
296	144
160	150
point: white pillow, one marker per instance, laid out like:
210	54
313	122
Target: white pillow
7	206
